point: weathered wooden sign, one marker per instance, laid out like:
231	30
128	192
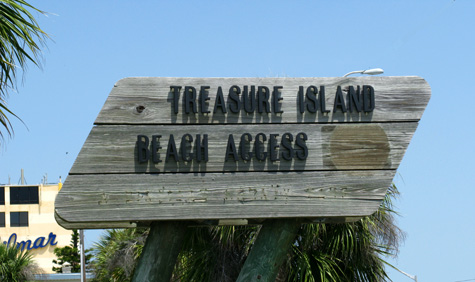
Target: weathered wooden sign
241	148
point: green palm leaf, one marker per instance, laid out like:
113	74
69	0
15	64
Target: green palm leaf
20	42
321	252
16	265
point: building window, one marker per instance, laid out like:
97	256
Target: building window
24	195
2	219
18	219
2	195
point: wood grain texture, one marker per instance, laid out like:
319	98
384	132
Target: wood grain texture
352	156
149	197
112	149
396	99
93	224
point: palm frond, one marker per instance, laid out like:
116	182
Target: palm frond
321	252
21	39
16	265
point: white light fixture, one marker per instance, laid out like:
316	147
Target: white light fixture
413	277
370	72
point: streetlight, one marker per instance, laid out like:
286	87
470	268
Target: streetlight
413	277
370	72
83	255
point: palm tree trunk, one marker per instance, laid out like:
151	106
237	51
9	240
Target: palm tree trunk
160	252
270	250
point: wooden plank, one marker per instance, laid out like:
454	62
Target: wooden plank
152	197
113	149
149	100
343	157
93	225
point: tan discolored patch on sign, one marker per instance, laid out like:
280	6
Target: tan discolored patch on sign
350	156
359	147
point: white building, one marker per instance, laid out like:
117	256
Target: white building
27	220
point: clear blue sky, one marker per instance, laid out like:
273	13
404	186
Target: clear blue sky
97	43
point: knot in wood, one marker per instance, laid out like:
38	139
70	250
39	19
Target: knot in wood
140	109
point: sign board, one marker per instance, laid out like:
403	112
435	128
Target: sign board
241	148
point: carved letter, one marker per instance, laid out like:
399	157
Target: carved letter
190	99
249	100
354	99
155	147
186	140
234	92
300	141
171	149
311	95
260	154
274	156
263	99
231	149
245	154
201	148
321	96
368	98
203	98
276	106
286	143
219	102
176	95
143	154
339	101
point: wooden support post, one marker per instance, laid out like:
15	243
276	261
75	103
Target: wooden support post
160	252
269	250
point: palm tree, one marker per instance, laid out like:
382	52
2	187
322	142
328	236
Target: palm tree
214	253
321	252
346	252
16	265
116	253
20	41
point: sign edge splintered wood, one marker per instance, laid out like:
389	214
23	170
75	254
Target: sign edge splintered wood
233	148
